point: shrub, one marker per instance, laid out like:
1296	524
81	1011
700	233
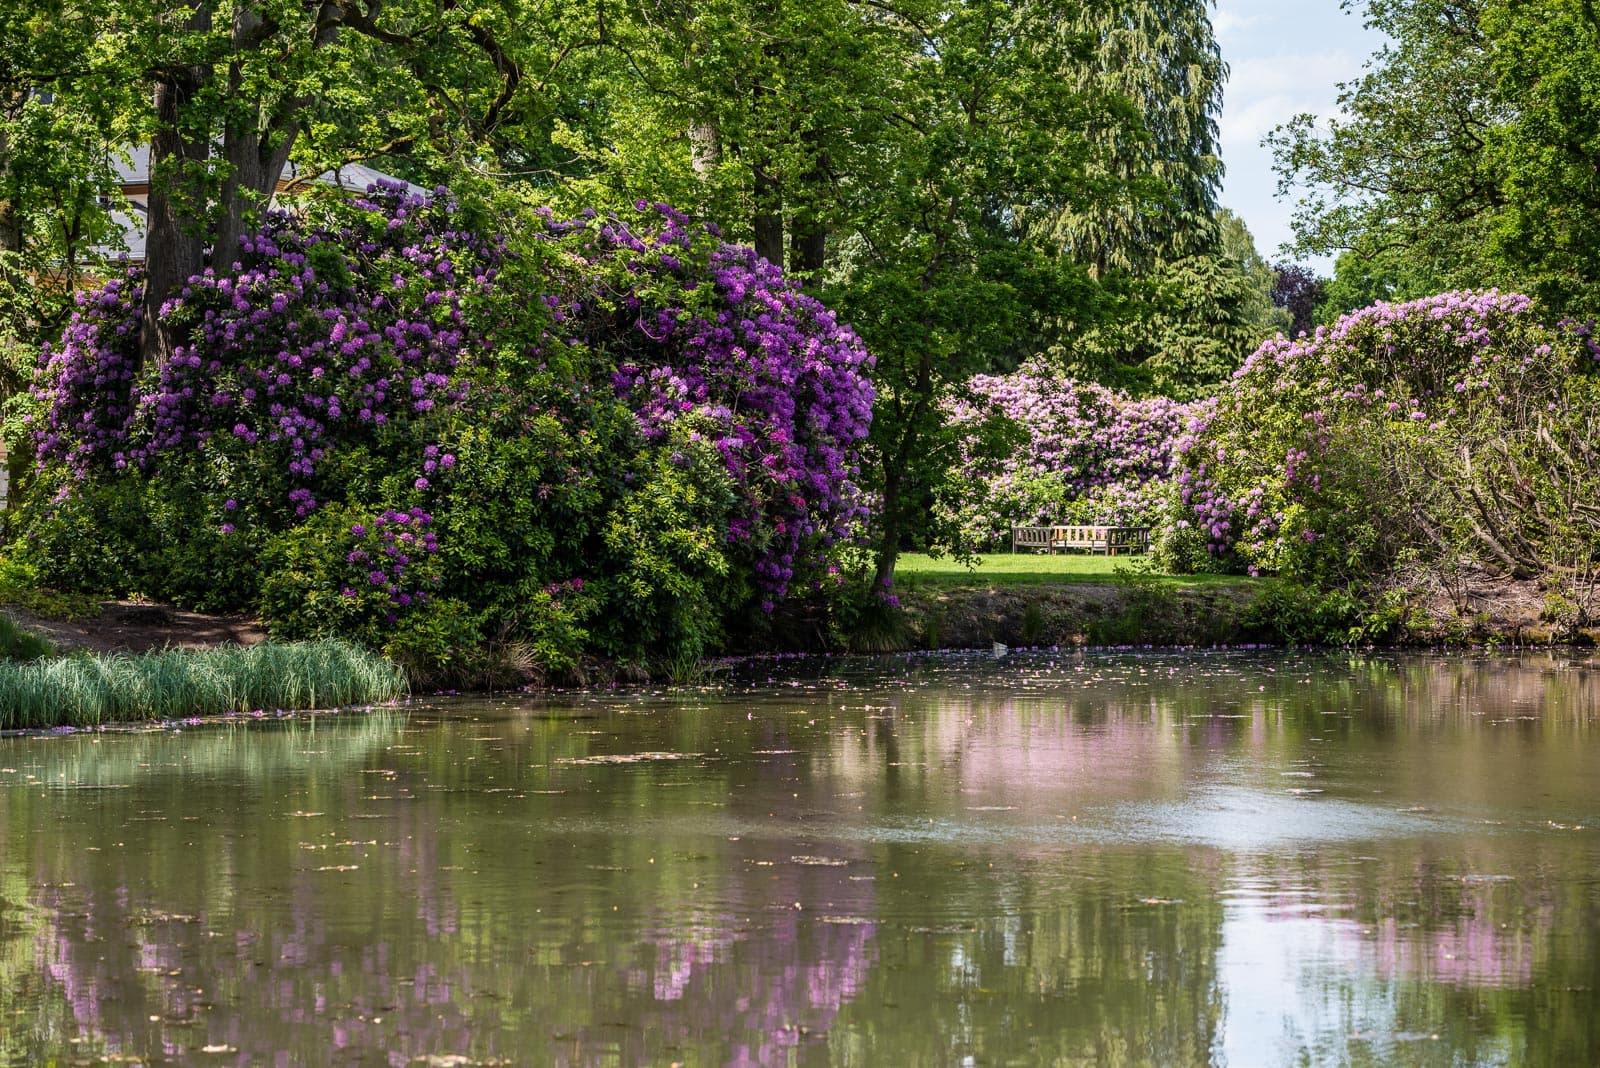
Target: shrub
1457	424
19	644
1037	448
380	406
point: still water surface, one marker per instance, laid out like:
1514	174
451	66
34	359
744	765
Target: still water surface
1163	859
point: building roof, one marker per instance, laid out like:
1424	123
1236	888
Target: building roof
133	174
133	169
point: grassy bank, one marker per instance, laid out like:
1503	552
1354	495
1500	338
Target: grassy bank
915	570
1010	569
86	690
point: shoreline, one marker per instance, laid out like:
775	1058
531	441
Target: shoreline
1142	611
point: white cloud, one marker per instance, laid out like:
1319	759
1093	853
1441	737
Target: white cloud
1265	91
1285	57
1229	23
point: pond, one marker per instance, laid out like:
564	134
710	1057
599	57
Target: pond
1050	858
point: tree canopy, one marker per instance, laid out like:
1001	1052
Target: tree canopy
1468	156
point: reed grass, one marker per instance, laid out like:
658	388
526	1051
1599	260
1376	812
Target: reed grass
87	690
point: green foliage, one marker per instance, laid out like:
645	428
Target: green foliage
1453	433
1155	74
1180	549
94	541
84	690
1466	158
664	547
311	587
19	644
20	586
1292	612
1187	323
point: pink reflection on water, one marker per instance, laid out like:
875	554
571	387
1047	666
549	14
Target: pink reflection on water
1476	951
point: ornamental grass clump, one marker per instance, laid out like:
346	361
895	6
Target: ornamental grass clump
1460	428
1038	448
388	423
88	690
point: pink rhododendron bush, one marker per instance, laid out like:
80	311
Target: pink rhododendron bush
1037	448
1452	433
609	434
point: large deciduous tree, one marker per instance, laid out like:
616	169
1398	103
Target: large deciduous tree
1468	155
940	271
225	92
234	85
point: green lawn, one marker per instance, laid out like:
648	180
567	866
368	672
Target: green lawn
1028	569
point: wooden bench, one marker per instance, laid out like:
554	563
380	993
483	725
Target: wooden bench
1030	538
1094	539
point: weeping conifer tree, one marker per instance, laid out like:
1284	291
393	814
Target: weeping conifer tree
1154	232
1158	71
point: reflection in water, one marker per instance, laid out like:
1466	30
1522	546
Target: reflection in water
1118	859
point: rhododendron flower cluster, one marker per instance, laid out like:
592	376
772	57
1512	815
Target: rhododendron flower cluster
353	350
392	555
316	339
1066	452
1290	463
757	367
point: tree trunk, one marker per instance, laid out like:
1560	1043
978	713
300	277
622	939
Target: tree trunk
889	545
768	217
808	244
256	147
705	147
174	247
255	162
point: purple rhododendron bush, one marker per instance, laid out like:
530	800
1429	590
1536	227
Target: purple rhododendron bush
1429	441
605	435
1038	448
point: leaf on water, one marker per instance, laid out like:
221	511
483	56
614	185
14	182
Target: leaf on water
819	862
161	917
628	758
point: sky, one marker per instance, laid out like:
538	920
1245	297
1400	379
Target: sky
1285	57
